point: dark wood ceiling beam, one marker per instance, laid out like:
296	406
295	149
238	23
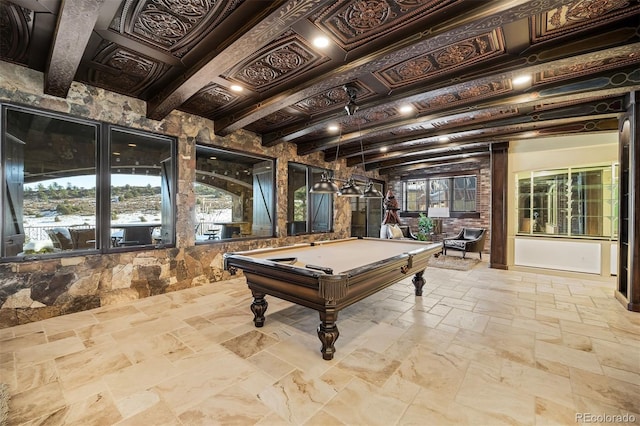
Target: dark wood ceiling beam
484	17
588	102
558	93
69	45
437	150
563	90
424	166
410	150
258	36
411	158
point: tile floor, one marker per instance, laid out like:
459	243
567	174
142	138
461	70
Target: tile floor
480	347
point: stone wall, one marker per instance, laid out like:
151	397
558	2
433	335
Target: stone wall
31	290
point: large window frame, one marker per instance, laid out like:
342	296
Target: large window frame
307	212
71	161
235	195
570	202
456	193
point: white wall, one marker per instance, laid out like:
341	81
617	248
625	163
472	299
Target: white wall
573	255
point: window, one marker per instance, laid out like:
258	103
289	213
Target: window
457	194
464	194
235	195
141	194
52	197
568	202
306	211
415	195
439	193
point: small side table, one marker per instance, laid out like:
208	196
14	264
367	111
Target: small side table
437	238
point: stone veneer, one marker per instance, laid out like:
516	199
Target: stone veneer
31	290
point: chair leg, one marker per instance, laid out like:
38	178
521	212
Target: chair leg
480	253
463	253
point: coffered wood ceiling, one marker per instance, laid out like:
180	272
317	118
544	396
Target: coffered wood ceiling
452	61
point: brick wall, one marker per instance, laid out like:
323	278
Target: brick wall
451	226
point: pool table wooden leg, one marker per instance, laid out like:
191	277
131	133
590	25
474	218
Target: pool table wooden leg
258	307
418	282
328	332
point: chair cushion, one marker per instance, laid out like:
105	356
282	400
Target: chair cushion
395	232
83	238
61	238
455	243
471	234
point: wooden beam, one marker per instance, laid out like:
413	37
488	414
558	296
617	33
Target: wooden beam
486	16
258	36
499	194
76	21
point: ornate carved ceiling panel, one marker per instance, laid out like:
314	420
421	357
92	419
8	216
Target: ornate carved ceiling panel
332	99
471	93
171	25
579	15
284	59
442	61
122	70
452	63
209	99
352	23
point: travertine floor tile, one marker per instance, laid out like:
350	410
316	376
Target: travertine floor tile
297	397
485	347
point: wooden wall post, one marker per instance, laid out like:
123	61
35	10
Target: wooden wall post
628	290
499	215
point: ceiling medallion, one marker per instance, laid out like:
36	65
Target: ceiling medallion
364	16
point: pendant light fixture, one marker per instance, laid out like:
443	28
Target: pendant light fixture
350	188
326	185
370	190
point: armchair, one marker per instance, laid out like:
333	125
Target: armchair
468	239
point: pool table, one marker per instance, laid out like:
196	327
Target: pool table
330	275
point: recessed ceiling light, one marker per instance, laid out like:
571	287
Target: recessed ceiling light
212	158
521	79
237	88
116	153
321	41
443	139
406	109
333	128
384	149
132	145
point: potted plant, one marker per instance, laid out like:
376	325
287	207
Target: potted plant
425	227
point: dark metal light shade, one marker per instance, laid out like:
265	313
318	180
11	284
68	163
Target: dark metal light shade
325	186
371	192
351	108
350	189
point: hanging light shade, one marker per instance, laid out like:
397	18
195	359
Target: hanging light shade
350	189
371	192
325	186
